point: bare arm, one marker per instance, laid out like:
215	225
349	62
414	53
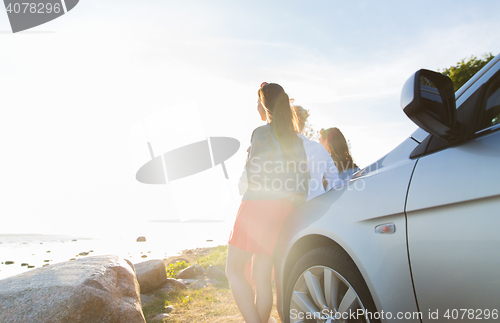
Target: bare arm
331	174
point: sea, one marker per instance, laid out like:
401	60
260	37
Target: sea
20	253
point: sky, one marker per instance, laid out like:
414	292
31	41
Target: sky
83	94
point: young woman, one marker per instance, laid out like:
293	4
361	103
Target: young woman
324	173
277	179
334	142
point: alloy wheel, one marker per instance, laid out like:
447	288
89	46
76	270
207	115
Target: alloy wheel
321	294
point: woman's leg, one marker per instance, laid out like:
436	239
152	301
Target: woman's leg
261	276
243	294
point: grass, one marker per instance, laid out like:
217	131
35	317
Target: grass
217	258
156	307
174	268
209	304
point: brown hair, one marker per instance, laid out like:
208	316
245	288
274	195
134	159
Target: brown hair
281	116
336	145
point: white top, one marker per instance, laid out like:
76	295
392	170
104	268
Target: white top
321	166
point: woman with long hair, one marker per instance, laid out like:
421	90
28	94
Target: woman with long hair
324	173
334	142
277	180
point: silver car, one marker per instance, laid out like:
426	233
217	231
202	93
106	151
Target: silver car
415	236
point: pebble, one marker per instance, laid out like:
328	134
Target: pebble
9	262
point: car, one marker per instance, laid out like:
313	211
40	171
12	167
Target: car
414	236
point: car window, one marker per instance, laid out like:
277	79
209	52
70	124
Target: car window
491	112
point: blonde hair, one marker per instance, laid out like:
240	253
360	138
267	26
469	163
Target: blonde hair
302	115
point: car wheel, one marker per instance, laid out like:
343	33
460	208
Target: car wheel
326	286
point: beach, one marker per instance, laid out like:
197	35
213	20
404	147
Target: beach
163	239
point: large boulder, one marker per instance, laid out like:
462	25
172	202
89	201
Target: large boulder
93	289
151	274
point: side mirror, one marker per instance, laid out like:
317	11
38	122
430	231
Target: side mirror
428	99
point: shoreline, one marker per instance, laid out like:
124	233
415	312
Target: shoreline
21	253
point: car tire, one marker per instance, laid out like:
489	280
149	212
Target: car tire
326	286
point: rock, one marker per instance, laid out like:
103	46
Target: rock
160	317
31	266
151	274
190	272
146	299
196	285
9	262
187	281
46	260
94	289
177	284
169	309
24	264
83	253
141	239
215	273
48	251
166	288
144	256
45	265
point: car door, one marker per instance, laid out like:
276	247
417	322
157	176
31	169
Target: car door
453	220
